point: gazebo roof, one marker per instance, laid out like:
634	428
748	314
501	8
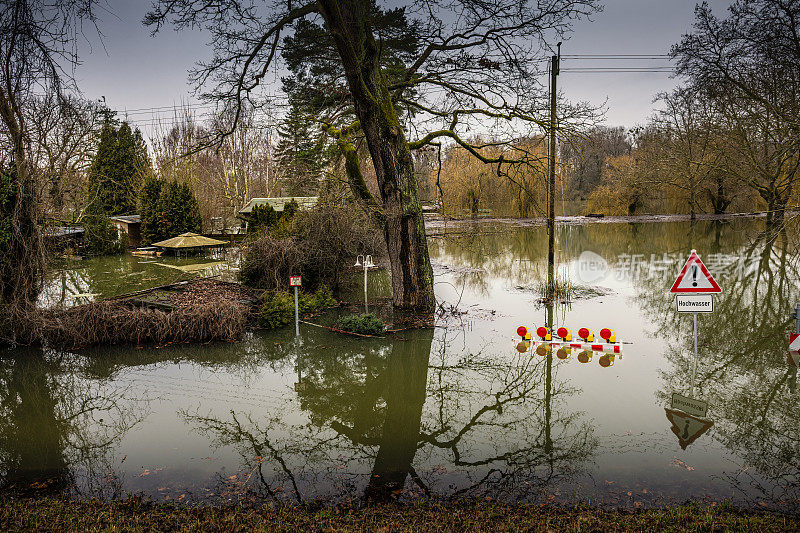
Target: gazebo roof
189	240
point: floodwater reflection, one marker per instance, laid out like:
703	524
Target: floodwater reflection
55	428
393	418
460	410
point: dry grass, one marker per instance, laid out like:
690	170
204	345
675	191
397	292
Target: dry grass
199	311
107	323
59	515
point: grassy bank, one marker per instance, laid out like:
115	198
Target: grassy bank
60	515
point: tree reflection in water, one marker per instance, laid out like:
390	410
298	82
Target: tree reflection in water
56	427
743	371
392	418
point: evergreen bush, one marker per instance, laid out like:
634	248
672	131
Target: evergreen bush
363	324
277	310
278	307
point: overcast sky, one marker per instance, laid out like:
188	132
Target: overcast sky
135	71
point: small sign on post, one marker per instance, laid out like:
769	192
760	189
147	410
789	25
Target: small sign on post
296	281
694	303
695	278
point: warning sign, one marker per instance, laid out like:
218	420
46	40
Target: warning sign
794	342
689	405
695	277
687	427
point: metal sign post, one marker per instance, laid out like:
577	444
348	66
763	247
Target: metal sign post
797	318
694	289
296	281
297	319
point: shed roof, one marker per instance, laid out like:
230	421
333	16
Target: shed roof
128	219
279	202
189	240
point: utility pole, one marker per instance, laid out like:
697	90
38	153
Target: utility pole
551	182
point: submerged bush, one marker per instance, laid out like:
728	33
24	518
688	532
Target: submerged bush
277	311
311	303
319	244
278	308
364	324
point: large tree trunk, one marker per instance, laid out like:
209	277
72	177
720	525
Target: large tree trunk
21	257
404	229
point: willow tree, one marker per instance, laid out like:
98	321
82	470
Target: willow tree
475	64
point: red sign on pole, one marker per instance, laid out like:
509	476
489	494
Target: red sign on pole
295	281
794	342
695	277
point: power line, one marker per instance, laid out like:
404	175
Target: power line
623	68
616	56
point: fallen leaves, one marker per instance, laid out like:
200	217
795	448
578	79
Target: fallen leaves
677	462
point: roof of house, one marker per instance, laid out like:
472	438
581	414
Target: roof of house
189	240
278	203
128	219
62	231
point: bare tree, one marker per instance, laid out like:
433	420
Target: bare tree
37	51
477	62
690	146
750	61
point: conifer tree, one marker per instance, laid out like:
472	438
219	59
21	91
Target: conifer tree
178	210
167	210
300	151
149	210
117	171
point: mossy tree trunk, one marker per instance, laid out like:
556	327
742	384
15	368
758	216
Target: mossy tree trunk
348	21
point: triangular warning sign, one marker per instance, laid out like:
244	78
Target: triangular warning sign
695	277
794	358
687	427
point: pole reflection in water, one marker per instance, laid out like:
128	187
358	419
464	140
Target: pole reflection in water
452	412
393	418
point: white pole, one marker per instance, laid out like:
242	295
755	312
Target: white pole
694	361
296	314
366	308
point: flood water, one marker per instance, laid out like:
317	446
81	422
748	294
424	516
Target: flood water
454	411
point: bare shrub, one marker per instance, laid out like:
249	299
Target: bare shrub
269	261
320	245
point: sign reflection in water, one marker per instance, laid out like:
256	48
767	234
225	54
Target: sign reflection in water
451	411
